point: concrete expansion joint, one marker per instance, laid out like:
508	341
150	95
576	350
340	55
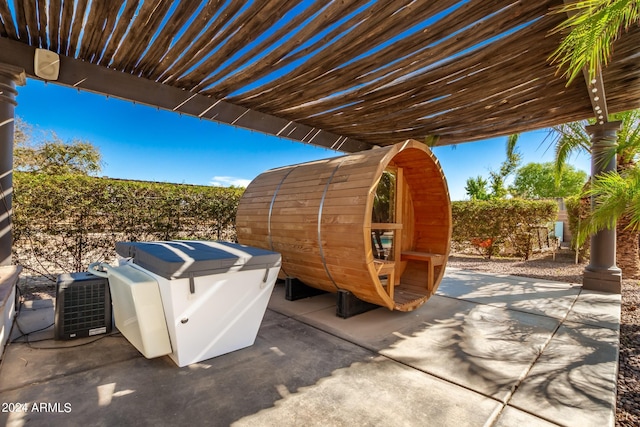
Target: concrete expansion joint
503	404
496	416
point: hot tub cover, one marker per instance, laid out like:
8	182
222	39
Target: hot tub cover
189	258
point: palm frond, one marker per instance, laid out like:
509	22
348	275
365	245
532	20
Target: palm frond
627	146
628	135
593	26
431	140
512	141
614	194
570	138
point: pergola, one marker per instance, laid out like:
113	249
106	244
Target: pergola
348	75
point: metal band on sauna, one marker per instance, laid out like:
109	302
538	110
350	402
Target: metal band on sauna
273	200
324	194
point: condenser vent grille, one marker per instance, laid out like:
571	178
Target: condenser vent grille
83	306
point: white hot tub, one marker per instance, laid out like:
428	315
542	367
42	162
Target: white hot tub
214	294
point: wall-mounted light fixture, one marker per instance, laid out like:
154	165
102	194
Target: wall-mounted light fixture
46	64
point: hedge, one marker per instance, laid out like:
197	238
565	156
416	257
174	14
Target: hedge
493	226
61	223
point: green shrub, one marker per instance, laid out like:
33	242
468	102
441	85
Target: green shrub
61	223
492	225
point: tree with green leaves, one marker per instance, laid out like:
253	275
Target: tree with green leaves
49	154
498	178
538	181
476	188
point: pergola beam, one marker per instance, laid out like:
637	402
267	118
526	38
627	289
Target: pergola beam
595	86
597	95
94	78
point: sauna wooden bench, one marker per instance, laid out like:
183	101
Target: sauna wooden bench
431	259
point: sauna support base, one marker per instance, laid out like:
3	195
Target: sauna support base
348	305
294	290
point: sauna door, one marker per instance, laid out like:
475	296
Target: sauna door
387	224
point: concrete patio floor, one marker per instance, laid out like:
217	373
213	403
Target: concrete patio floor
485	351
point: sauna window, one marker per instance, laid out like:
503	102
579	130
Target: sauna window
383	217
384	202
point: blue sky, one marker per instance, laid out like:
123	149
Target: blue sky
144	143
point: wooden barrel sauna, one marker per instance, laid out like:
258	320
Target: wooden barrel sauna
376	223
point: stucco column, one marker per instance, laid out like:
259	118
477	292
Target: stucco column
602	274
9	77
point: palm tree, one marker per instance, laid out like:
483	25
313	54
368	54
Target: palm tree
616	191
594	25
508	167
618	195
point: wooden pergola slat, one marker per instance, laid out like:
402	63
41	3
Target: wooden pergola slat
21	21
76	27
203	44
374	81
237	72
143	27
7	27
209	11
259	21
64	30
342	74
158	48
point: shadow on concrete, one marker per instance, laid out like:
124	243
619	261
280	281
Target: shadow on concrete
481	352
